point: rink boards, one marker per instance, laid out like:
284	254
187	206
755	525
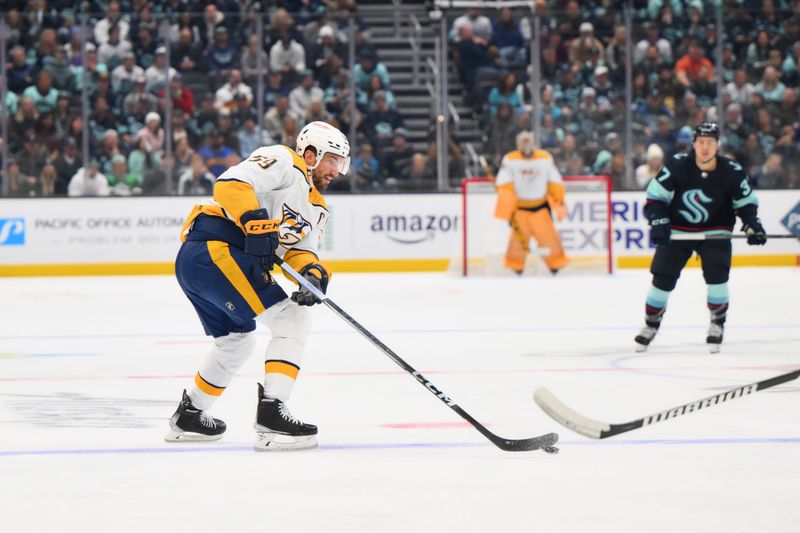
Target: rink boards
366	233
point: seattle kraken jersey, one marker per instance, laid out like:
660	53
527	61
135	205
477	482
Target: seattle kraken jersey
694	200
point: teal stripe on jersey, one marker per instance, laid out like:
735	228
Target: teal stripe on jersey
718	294
750	199
657	192
657	297
705	232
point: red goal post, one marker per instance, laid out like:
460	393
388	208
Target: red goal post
589	216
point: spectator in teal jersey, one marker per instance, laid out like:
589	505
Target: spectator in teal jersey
43	94
11	102
143	160
59	68
505	91
368	66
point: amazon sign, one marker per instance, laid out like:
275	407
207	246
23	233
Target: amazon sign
413	228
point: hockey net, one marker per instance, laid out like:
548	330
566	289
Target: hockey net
586	232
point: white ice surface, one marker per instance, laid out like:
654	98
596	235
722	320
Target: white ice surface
91	368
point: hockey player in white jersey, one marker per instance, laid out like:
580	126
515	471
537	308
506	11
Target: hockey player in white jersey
266	206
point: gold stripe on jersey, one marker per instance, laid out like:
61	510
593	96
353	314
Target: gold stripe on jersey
221	255
281	367
236	197
315	198
299	259
205	386
537	154
202	209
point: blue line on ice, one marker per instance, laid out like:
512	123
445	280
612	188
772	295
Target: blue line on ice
389	446
627	327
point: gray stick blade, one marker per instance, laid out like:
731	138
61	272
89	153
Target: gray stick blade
567	417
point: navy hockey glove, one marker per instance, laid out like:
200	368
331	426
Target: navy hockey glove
316	276
659	231
261	236
755	232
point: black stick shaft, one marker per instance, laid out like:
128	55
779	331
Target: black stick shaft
721	237
704	403
545	441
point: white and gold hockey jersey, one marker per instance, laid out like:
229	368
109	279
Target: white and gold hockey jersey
274	178
527	182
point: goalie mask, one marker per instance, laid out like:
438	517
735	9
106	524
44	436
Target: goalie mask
525	143
324	138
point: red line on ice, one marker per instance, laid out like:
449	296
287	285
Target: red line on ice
401	373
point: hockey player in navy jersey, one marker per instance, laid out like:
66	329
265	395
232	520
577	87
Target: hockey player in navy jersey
268	205
699	192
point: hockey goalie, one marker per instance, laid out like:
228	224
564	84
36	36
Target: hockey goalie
529	192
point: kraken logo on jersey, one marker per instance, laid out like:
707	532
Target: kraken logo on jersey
693	200
293	226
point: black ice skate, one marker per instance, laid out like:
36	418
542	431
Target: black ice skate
652	321
644	337
191	424
714	338
277	429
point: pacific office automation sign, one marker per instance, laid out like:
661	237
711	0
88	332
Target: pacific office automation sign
91	230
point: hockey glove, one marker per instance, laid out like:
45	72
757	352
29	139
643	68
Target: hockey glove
316	276
261	236
755	232
659	231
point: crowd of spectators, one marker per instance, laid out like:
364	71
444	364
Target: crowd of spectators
203	79
674	83
206	88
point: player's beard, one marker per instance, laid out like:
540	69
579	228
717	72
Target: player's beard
320	182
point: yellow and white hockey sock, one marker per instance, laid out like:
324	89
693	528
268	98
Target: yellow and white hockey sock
224	359
289	324
281	367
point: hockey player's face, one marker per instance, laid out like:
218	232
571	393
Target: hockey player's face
705	148
326	171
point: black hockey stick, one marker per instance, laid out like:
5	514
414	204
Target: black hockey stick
601	430
543	442
720	237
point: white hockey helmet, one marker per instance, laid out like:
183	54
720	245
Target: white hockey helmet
324	138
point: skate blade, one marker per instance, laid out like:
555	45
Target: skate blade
641	347
183	436
273	442
713	348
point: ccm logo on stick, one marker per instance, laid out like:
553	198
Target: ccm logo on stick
434	390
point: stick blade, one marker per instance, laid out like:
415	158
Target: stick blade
543	442
567	417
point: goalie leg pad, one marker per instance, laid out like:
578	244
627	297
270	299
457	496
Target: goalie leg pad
540	225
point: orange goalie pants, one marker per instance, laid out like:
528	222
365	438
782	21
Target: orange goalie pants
539	225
